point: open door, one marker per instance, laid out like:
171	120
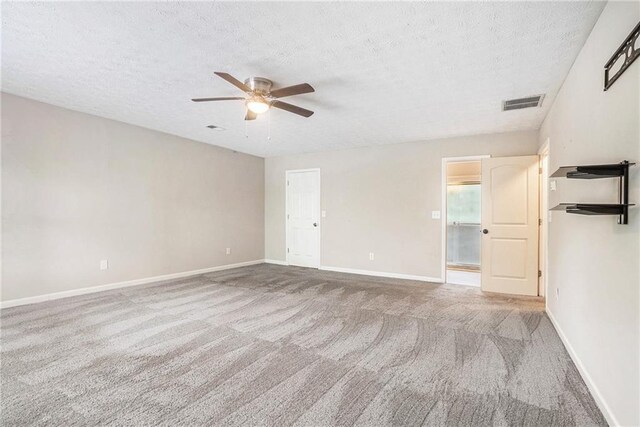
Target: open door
509	261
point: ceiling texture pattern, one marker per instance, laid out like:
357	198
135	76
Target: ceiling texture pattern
383	72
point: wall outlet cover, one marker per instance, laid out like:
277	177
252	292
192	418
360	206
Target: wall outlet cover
435	214
104	264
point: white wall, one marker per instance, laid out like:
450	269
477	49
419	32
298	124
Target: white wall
379	199
593	262
78	188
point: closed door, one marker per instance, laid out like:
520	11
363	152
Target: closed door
510	225
303	218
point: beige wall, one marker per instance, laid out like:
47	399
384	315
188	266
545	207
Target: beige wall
379	199
78	188
593	262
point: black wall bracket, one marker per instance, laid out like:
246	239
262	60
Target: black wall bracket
623	192
617	170
629	51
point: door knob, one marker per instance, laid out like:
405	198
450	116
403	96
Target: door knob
485	231
315	224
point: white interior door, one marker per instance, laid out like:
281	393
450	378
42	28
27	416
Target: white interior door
509	260
303	218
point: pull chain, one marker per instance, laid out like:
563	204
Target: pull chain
269	126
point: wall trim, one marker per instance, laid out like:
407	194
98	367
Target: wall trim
595	392
381	274
275	261
118	285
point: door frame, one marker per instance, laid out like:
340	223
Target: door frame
443	204
286	211
543	215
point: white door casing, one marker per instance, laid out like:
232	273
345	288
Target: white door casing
509	260
303	217
543	229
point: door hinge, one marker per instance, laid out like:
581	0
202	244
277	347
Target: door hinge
287	216
287	182
539	221
539	273
539	171
287	250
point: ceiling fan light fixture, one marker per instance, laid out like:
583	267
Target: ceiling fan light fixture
257	105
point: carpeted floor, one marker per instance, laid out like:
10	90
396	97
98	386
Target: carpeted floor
271	345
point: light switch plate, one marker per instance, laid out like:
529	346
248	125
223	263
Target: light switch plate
324	214
104	264
435	214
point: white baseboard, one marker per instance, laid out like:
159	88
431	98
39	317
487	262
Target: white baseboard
595	392
126	284
382	274
275	261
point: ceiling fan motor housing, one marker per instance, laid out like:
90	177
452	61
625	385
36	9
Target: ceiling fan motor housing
259	85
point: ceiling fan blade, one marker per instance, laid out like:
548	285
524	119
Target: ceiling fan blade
226	98
250	115
292	90
292	108
237	83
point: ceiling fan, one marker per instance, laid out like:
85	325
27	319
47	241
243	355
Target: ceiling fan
261	97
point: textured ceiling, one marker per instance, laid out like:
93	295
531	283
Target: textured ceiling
383	72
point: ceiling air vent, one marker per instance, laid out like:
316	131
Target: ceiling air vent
517	104
214	127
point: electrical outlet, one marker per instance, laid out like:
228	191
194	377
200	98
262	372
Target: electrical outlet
104	264
552	185
228	251
435	214
370	256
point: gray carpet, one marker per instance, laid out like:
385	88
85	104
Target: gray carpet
271	345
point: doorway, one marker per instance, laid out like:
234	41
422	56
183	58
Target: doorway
462	201
303	217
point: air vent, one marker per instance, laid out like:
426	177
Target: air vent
517	104
214	127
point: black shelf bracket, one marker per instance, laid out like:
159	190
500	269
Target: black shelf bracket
618	170
623	194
